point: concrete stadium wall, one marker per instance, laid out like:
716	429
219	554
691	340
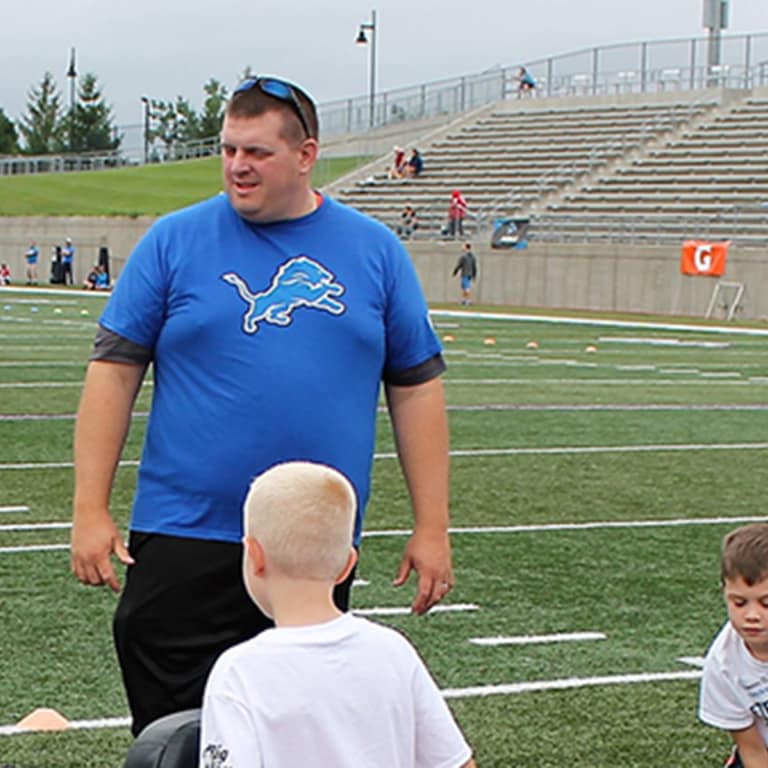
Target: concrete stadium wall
88	234
610	277
605	277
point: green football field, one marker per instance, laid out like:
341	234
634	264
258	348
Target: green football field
595	470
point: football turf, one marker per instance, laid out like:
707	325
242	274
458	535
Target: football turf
590	492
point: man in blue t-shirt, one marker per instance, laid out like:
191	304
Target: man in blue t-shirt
271	315
67	260
31	256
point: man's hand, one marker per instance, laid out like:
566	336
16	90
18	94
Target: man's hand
93	543
429	554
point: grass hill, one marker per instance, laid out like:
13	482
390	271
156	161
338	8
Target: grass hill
149	190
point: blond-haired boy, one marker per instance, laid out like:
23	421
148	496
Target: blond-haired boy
322	688
734	686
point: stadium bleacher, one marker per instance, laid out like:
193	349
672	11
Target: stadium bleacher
634	169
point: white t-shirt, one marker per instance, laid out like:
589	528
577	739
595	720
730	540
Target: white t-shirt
344	694
734	686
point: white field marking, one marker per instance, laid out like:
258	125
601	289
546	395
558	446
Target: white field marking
33	548
469	453
656	342
635	367
554	320
611	382
14	509
104	722
561	637
595	525
720	374
361	583
39	384
540	528
569	682
456	607
48	292
58	465
607	407
693	661
575	407
451	693
680	371
42	364
34	527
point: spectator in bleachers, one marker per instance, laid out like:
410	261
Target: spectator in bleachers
5	274
457	211
526	83
415	164
397	171
409	222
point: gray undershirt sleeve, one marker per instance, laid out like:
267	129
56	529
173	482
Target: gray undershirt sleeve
112	348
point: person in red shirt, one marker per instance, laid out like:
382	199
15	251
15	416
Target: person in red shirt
457	210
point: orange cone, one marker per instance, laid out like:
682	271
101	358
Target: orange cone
44	719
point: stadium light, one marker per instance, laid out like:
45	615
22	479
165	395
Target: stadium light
72	75
145	102
363	40
715	19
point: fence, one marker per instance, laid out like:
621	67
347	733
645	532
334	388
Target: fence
638	67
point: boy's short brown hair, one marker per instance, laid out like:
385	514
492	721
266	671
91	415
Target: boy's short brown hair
745	554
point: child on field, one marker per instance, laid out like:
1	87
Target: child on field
734	686
323	688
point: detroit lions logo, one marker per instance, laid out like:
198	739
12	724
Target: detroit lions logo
299	282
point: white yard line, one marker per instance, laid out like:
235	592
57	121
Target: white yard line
588	526
405	611
595	322
559	637
471	452
509	689
14	509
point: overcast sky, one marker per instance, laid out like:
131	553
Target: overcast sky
165	48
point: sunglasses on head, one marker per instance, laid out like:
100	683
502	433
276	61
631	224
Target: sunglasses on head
280	90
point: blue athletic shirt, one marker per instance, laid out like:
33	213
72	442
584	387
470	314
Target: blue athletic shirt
269	344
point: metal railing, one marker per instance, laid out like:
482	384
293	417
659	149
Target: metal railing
745	225
637	67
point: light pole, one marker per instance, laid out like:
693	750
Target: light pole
145	102
362	40
72	75
715	20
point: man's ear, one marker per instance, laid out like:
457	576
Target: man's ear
255	554
309	153
351	560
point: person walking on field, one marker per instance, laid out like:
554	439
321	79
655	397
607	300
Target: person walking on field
467	266
271	315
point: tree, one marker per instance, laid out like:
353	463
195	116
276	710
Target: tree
213	108
174	123
89	125
8	136
42	126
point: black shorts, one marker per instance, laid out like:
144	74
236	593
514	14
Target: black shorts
182	605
